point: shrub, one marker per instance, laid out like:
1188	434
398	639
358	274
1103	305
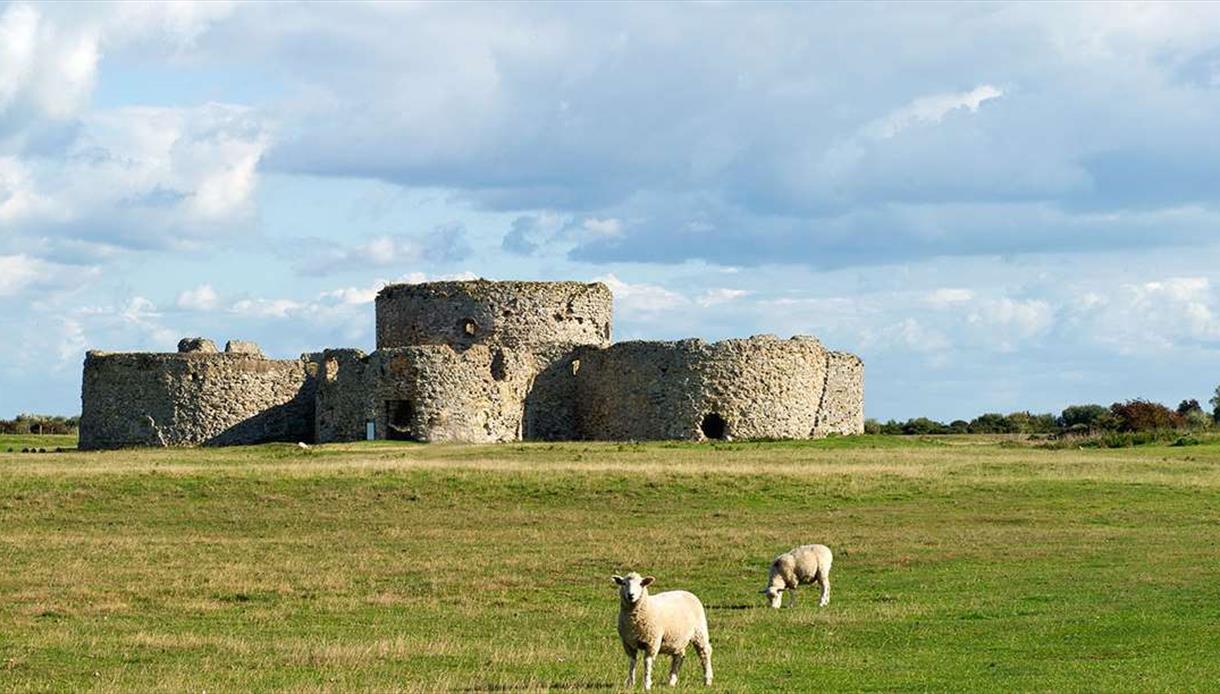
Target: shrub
1087	418
1142	415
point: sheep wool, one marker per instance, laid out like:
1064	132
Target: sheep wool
663	623
801	565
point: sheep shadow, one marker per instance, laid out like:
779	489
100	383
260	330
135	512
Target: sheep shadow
732	607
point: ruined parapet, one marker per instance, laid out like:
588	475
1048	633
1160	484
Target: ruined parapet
194	397
762	387
243	347
201	345
346	384
507	314
842	407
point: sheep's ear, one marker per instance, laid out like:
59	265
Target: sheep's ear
617	579
647	580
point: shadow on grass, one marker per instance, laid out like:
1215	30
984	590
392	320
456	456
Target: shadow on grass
732	607
553	686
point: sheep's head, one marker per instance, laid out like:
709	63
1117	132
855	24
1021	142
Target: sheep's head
633	587
775	595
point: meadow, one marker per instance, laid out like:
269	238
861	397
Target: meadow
962	563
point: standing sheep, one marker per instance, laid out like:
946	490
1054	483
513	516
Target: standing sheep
804	564
661	623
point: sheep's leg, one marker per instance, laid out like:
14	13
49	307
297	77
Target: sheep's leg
648	660
824	579
791	597
673	668
631	668
703	646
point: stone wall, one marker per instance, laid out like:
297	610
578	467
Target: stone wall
347	379
194	398
507	314
437	393
478	362
842	407
762	387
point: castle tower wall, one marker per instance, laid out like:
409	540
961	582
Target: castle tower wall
194	398
762	387
842	407
437	393
508	314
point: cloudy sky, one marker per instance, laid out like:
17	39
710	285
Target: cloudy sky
998	206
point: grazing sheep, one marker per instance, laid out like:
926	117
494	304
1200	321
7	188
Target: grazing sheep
804	564
661	623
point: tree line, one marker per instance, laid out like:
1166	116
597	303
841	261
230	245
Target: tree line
1131	416
39	424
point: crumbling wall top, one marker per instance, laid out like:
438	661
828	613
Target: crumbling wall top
512	314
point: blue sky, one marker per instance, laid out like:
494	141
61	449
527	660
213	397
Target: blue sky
997	206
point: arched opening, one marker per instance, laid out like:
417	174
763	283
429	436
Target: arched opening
398	416
468	327
713	426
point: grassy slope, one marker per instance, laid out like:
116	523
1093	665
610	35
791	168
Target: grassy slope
383	566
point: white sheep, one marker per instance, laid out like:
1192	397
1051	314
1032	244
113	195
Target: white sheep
661	623
804	564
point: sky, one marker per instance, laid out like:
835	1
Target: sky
999	207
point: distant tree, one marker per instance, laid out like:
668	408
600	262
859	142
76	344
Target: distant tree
1087	418
891	427
991	423
1142	415
924	426
1187	406
959	426
1215	403
872	426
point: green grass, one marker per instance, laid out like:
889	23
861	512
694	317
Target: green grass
16	442
961	564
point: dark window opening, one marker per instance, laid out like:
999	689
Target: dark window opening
713	426
398	416
499	370
468	327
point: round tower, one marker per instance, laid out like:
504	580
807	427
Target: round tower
505	314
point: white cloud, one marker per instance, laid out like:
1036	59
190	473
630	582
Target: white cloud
201	298
949	296
642	300
17	272
141	177
21	274
931	109
48	67
446	243
268	308
714	297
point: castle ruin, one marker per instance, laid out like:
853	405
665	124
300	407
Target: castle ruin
476	361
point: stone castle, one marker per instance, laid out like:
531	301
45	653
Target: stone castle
476	361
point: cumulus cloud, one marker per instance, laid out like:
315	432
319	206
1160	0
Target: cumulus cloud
721	295
446	243
201	298
140	177
49	68
642	300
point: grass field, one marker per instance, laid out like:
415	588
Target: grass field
961	564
